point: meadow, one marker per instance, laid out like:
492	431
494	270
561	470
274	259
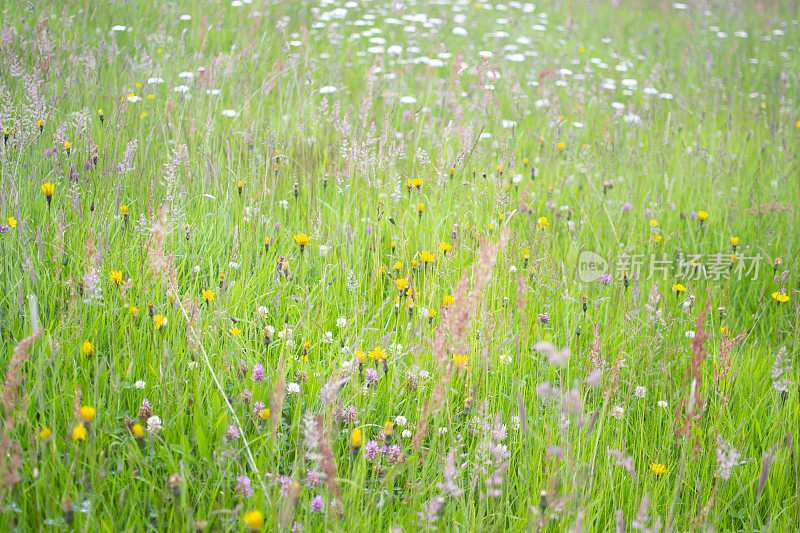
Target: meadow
399	266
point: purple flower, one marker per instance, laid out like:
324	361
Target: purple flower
313	479
317	503
626	207
393	453
369	229
3	228
544	318
258	373
257	408
232	433
371	376
605	279
51	151
286	485
372	450
243	487
648	213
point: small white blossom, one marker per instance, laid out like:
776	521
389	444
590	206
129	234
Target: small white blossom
341	322
406	433
293	388
617	411
139	384
640	392
400	421
327	337
154	425
662	403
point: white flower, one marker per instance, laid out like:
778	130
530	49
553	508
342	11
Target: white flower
193	364
139	384
133	98
406	433
640	392
341	322
154	425
293	388
328	89
324	249
617	411
424	374
512	269
442	430
230	113
662	403
262	312
233	265
327	338
284	204
290	344
690	334
400	420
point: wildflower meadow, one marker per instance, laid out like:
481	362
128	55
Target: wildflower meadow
400	265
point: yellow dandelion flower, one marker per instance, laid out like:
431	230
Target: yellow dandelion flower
87	348
355	438
78	433
87	413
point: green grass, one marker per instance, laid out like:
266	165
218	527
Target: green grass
724	143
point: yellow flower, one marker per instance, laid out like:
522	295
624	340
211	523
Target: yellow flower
150	96
254	520
414	182
45	433
100	113
460	360
420	207
159	320
134	311
780	297
678	287
734	241
143	115
657	468
398	265
235	331
656	238
447	300
653	222
360	355
48	189
426	257
208	295
40	124
444	247
702	215
543	223
525	160
79	432
388	428
137	430
124	209
382	269
87	413
377	354
355	438
12	222
560	146
67	146
526	253
302	239
401	284
414	263
87	348
264	414
431	313
116	276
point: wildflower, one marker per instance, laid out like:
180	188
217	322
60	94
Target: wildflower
355	438
447	300
657	468
293	388
154	424
543	223
317	503
420	209
560	146
702	215
45	433
656	238
640	392
208	295
40	125
734	243
100	115
617	412
116	276
426	257
678	288
232	433
159	321
12	222
67	146
87	413
139	384
235	331
266	244
780	297
48	189
302	239
254	520
258	373
460	361
134	311
239	186
138	430
87	348
79	432
401	284
264	414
